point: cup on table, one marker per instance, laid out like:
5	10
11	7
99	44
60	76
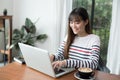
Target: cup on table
85	73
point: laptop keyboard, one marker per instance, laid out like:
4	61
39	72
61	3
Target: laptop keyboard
57	71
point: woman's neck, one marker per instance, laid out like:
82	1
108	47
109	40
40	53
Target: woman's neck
82	34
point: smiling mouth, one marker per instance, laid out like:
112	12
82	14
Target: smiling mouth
76	29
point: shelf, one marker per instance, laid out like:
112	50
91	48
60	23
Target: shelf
9	33
2	30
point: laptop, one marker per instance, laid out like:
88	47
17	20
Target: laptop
39	60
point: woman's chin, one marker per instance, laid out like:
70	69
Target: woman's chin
75	32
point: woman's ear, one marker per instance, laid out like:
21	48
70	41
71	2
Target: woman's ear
86	22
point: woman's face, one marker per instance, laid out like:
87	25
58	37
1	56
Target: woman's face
78	27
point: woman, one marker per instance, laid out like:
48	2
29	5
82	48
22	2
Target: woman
80	48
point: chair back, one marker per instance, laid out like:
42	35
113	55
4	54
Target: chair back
102	66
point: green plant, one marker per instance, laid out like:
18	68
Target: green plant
26	35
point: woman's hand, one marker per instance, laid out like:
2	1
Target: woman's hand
59	64
52	57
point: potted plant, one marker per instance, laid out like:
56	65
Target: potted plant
26	35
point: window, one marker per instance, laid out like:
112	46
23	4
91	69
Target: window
100	15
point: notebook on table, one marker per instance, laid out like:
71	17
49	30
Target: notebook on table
39	60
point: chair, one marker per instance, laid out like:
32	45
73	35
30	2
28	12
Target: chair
102	66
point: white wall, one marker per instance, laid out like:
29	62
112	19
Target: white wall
8	4
45	10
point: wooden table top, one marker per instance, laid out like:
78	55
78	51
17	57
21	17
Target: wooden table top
16	71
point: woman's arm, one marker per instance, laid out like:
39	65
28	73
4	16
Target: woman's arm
91	63
60	52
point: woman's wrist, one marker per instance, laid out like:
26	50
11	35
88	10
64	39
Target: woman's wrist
64	62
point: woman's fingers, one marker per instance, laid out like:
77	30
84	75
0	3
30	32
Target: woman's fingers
59	64
56	64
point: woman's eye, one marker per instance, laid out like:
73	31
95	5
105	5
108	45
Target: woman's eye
74	22
71	22
77	22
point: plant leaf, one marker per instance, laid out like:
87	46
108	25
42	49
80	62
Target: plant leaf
30	26
41	36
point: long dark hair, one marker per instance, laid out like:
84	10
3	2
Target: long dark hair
77	14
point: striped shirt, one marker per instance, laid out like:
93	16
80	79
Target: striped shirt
83	52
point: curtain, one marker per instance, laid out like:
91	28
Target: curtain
113	57
63	8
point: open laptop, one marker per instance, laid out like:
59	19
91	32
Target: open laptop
39	60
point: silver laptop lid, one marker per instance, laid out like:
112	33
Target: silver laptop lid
37	59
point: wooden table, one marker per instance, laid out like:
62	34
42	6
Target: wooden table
16	71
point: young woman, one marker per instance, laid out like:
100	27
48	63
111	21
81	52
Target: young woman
80	48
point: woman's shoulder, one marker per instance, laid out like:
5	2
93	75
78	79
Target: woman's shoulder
65	38
93	35
95	38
